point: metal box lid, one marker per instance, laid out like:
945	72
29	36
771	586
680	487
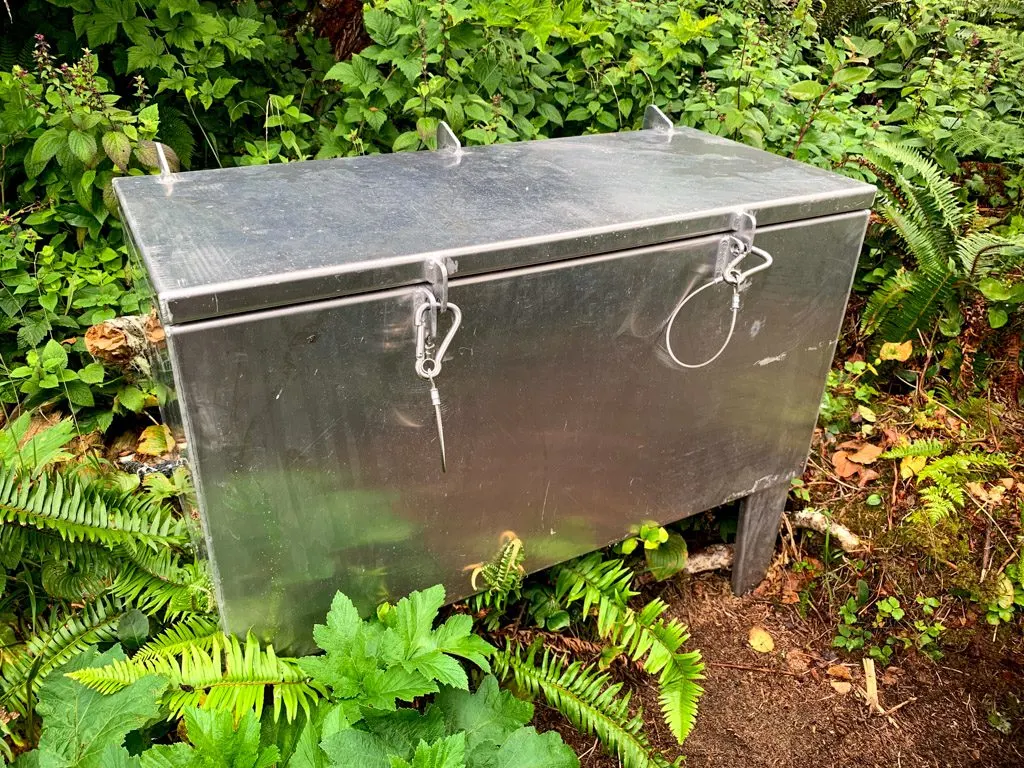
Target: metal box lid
222	242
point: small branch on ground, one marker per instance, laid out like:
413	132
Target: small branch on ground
817	521
716	557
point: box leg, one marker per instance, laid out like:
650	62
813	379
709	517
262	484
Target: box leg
760	514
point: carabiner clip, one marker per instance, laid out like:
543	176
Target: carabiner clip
428	362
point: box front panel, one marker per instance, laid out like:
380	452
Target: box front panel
316	451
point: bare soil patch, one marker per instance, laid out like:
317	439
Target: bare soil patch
767	710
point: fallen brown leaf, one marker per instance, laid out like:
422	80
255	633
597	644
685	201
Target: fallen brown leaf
867	455
839	672
866	476
843	466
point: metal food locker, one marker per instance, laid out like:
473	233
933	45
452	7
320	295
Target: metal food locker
608	330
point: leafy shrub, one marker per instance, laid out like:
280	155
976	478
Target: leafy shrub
369	667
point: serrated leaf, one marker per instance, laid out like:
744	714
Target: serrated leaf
449	752
46	146
79	394
526	748
132	398
93	373
383	687
54	356
83	146
489	715
435	665
403	729
80	725
356	749
118	148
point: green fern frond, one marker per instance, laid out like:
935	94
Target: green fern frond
931	293
156	580
191	632
604	584
586	699
230	676
55	641
926	447
80	511
502	577
1009	42
993	139
956	467
936	505
935	194
981	252
80	580
886	298
647	638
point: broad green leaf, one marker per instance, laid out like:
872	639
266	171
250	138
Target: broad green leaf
350	748
326	720
997	317
93	373
449	752
381	688
805	90
456	637
46	146
133	628
435	665
404	729
118	148
549	112
489	715
132	398
413	620
79	724
54	356
852	75
410	140
994	290
83	146
526	748
79	394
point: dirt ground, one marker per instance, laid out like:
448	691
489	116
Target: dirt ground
781	708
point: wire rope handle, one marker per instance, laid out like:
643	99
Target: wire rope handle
732	276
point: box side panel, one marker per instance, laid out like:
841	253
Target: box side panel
566	421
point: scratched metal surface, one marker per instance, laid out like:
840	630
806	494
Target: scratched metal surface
226	241
314	447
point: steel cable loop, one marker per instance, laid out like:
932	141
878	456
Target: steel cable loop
679	308
734	277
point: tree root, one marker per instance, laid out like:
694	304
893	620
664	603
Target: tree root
720	556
